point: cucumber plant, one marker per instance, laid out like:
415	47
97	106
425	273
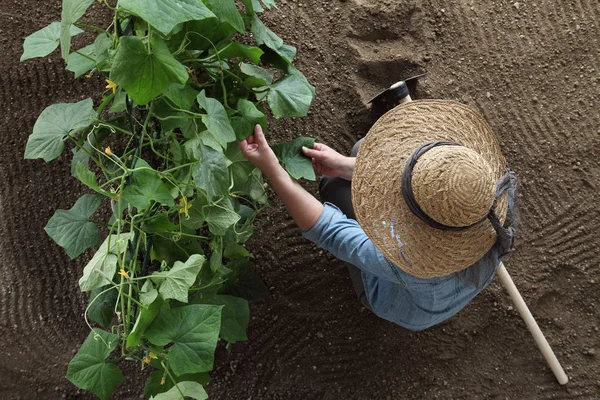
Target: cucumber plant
184	79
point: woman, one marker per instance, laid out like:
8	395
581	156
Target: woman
418	210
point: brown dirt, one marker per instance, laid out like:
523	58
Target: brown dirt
533	69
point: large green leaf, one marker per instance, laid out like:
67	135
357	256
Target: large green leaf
146	186
72	10
295	162
220	217
44	41
291	96
164	15
88	369
193	331
54	124
144	73
175	283
105	261
216	119
267	37
102	305
72	229
210	174
227	11
187	388
234	318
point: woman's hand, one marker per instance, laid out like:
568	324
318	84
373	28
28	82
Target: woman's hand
256	150
329	162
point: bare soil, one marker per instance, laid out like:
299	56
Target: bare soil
531	67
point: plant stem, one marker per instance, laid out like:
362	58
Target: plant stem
94	28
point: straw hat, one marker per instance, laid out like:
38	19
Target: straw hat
430	212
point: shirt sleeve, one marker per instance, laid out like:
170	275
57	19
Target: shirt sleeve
346	240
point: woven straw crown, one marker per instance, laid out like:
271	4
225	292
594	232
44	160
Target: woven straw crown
453	185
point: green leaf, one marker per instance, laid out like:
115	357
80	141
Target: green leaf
291	96
44	41
247	179
105	261
220	217
195	218
102	305
193	330
216	120
164	249
227	11
187	388
211	31
183	96
119	102
249	117
145	74
72	10
164	15
234	250
263	76
269	3
102	45
210	174
146	186
145	318
244	282
54	124
216	255
72	229
148	293
230	49
82	61
175	283
267	37
159	223
88	371
88	178
153	386
234	318
295	162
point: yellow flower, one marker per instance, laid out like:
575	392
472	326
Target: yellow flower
162	381
152	355
123	273
117	196
88	76
190	71
108	151
147	360
111	85
185	206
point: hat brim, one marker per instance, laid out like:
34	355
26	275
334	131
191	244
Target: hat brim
403	238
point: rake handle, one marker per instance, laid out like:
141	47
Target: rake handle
532	325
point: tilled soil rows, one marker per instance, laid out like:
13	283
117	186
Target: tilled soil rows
532	68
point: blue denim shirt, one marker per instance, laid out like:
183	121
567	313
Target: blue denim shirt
411	302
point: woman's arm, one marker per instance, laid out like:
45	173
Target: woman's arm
302	206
